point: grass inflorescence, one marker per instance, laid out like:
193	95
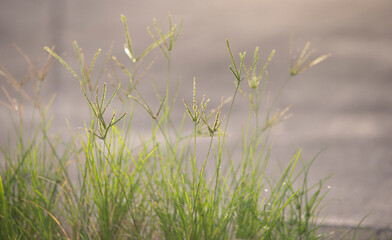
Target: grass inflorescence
153	186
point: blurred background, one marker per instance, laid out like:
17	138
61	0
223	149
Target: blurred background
343	104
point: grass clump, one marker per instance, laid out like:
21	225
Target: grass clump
107	183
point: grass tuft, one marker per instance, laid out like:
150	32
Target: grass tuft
111	182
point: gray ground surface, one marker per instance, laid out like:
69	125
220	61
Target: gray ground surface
344	104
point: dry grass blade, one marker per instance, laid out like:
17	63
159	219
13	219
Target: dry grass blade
11	80
33	72
14	83
51	215
299	66
11	105
318	60
277	117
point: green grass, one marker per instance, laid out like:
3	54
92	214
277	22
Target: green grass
132	186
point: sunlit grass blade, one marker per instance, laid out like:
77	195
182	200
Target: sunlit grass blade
49	50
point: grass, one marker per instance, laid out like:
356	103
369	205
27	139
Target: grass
132	186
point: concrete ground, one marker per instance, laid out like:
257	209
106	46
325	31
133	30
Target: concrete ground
343	104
